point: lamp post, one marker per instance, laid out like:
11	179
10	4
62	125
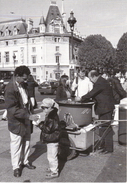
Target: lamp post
71	21
14	57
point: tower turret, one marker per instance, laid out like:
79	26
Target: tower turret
42	25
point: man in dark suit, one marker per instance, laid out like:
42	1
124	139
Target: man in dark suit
104	106
19	124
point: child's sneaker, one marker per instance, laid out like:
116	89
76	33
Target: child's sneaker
51	175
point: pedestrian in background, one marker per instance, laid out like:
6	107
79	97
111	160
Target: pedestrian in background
63	91
118	93
81	84
31	90
104	106
124	84
2	90
50	132
19	124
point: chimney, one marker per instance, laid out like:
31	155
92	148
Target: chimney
30	24
53	3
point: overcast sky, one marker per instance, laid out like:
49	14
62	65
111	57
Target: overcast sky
105	17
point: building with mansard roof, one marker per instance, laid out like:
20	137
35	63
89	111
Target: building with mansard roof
46	49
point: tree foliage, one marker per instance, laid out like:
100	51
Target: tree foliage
96	52
121	53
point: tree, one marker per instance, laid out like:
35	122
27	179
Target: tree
121	54
96	52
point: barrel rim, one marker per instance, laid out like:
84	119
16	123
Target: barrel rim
76	104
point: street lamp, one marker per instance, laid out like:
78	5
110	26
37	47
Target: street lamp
71	21
14	57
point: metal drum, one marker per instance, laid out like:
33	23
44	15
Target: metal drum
75	112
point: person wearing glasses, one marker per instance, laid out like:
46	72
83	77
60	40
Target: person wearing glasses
18	115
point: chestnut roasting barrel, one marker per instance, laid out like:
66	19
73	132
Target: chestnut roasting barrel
81	113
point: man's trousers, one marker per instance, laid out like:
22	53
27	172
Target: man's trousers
106	132
20	149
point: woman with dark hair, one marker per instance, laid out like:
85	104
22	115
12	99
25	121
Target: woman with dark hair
63	91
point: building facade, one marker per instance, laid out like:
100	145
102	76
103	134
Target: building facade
46	50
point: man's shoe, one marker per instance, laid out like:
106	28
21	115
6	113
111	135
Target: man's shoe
17	172
105	152
29	166
4	119
52	175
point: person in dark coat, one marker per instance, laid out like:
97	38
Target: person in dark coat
63	91
104	106
50	133
19	124
31	84
118	91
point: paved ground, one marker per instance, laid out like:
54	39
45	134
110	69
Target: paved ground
92	168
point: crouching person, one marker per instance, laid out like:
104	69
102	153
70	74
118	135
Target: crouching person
50	133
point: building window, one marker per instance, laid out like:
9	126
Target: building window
15	42
34	70
57	30
33	49
50	75
57	59
6	43
33	59
57	39
7	56
15	53
33	40
7	32
57	48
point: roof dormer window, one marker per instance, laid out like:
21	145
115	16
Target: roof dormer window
15	31
7	32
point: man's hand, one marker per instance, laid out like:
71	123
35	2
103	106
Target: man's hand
77	99
74	86
42	116
34	117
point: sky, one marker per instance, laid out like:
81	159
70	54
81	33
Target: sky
105	17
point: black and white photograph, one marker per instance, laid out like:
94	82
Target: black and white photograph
63	91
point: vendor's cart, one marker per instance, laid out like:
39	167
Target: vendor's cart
80	131
77	134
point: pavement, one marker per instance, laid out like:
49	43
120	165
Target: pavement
92	168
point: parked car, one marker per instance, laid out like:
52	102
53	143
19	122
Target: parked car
48	87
